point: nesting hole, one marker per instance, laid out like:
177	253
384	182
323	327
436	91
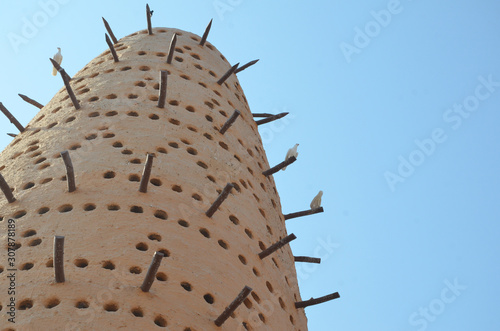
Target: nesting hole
111	306
137	312
186	286
141	247
205	232
25	304
160	214
162	277
82	304
27	266
35	242
109	174
208	298
136	209
51	303
65	208
160	321
81	263
108	265
183	223
113	207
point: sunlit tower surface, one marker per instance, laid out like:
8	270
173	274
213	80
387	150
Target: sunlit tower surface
140	197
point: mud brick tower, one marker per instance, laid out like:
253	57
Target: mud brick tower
163	166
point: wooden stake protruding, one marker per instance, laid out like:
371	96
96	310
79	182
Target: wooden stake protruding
13	135
31	101
249	64
205	34
304	213
310	302
307	259
233	305
108	28
11	118
60	69
163	89
262	114
153	269
148	17
271	118
70	173
59	258
111	48
171	50
230	121
279	166
6	190
220	199
66	80
228	73
146	174
274	247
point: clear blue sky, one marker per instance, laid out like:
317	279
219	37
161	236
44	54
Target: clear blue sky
395	105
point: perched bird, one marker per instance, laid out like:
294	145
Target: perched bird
151	13
58	58
316	203
291	152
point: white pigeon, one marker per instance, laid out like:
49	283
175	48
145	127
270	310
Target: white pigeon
291	152
58	58
316	202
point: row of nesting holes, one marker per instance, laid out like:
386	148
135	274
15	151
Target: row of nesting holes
89	207
84	304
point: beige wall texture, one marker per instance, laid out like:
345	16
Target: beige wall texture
112	230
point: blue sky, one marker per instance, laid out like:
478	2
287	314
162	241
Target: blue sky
395	107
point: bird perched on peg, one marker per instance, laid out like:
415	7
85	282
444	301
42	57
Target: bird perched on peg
291	152
58	58
316	202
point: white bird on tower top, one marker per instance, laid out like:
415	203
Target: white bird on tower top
291	152
316	202
58	58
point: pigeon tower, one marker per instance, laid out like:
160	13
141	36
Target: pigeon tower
140	198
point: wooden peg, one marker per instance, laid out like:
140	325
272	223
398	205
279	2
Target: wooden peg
66	80
70	173
307	259
279	166
274	247
108	28
153	269
163	89
304	213
310	302
146	174
11	118
59	258
31	101
205	34
249	64
271	118
230	121
6	190
232	306
225	192
148	17
171	50
227	74
111	48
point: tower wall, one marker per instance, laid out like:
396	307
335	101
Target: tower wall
112	230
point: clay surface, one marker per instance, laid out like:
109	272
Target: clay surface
112	230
